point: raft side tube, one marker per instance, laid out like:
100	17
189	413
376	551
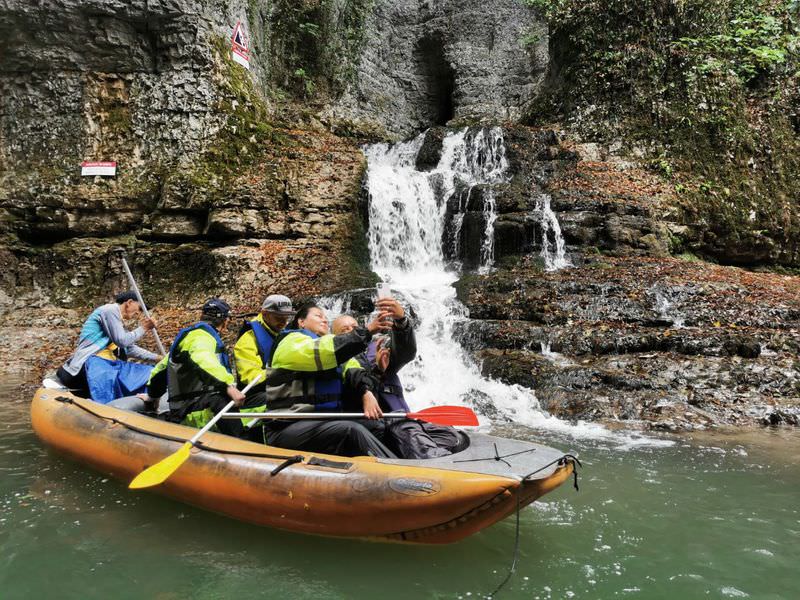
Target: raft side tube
233	477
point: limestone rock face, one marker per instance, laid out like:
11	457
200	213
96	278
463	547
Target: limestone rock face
426	63
151	86
204	153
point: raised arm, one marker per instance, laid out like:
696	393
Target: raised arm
112	323
298	352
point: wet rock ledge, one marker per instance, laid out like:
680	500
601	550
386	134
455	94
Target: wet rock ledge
674	344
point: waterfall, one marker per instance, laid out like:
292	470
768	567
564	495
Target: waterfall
407	212
408	208
553	251
487	246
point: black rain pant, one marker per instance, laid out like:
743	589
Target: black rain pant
343	438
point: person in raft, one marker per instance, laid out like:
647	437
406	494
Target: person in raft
384	357
311	367
253	349
104	337
197	370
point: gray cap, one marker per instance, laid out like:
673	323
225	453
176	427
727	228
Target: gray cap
277	304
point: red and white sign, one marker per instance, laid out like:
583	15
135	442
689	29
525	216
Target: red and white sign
240	46
108	169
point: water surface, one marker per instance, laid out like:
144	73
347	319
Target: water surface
710	517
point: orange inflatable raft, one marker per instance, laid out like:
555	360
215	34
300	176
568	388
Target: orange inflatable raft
432	501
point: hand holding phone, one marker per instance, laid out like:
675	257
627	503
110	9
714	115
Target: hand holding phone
383	289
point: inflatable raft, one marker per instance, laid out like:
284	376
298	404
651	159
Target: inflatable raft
432	501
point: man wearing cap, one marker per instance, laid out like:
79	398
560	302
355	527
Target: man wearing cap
199	379
253	348
384	357
104	335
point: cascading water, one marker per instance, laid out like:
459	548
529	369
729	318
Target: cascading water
407	213
487	246
553	251
407	210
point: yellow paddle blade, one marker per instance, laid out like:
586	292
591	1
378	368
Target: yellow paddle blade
160	471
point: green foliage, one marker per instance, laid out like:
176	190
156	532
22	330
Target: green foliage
662	167
688	64
530	37
753	44
689	257
306	82
309	29
313	45
715	83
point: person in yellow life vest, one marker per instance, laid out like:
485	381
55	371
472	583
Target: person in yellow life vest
310	366
253	349
385	356
199	379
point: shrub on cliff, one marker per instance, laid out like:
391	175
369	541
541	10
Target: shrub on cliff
712	86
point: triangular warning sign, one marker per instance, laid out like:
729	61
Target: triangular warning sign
239	39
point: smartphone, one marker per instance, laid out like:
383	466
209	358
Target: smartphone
384	291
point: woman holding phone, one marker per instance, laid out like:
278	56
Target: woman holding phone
310	367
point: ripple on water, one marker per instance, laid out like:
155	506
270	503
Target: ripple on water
733	592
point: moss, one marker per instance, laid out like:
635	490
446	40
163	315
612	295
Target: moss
357	267
313	45
117	119
794	272
689	257
247	133
358	270
714	83
464	285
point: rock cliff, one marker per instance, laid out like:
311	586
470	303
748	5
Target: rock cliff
232	170
242	182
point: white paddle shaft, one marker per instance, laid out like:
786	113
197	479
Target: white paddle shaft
223	414
136	291
311	415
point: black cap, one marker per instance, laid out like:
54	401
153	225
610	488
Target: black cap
217	308
123	297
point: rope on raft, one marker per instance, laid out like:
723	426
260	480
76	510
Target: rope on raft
560	461
294	459
497	456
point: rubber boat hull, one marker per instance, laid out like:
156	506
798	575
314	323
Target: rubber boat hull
319	494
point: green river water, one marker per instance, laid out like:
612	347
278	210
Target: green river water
711	516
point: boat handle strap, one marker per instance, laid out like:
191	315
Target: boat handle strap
292	460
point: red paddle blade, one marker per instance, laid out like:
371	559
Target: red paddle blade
446	415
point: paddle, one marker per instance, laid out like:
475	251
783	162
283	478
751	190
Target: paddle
441	415
136	291
159	472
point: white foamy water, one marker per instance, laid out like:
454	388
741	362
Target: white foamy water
487	246
554	253
407	211
667	311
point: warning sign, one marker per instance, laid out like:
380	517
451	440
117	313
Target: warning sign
108	169
240	46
